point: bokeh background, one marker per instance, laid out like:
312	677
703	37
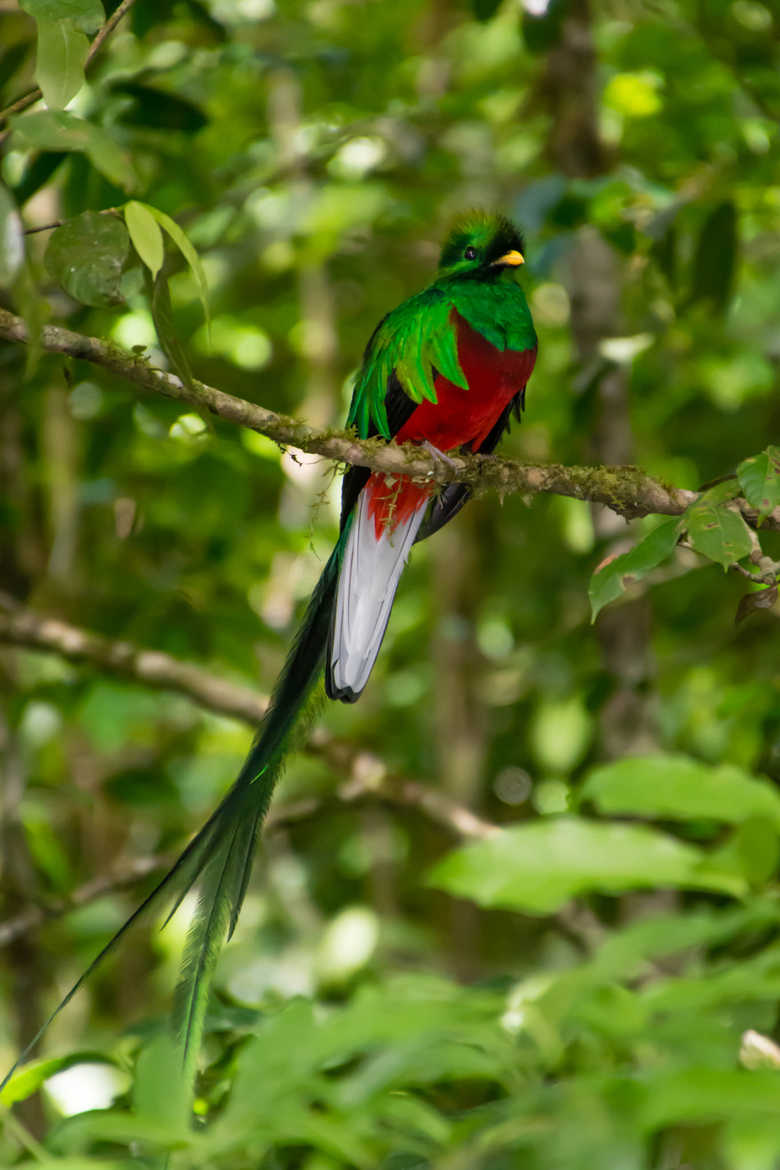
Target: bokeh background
315	153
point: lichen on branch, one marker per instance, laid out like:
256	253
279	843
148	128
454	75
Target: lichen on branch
626	490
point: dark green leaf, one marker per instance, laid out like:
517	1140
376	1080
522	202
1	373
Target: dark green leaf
87	256
170	343
759	478
715	259
189	253
608	582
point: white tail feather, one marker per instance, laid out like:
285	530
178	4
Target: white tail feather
370	571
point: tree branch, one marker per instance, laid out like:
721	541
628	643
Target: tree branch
366	776
627	490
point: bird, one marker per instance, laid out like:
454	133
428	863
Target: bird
446	369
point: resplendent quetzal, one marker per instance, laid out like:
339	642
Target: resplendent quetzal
446	369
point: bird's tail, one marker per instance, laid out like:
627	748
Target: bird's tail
218	860
381	532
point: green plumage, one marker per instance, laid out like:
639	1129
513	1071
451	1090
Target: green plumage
419	338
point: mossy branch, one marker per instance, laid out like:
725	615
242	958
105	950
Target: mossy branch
626	490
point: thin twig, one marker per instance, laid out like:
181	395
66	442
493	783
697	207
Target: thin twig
365	775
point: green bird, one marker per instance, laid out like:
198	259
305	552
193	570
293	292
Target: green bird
445	369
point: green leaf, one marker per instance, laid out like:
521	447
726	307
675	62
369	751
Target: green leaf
715	259
87	15
608	582
188	252
539	867
718	532
61	56
162	315
145	235
752	851
759	478
87	255
11	239
57	130
680	788
31	1076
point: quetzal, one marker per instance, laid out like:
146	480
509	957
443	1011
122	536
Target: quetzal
445	369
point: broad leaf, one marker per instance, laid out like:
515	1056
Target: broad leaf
61	55
87	255
759	478
680	788
609	582
188	252
58	130
538	867
718	532
145	235
162	315
87	15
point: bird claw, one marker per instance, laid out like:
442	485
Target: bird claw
439	456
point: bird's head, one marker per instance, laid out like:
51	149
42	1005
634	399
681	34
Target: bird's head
482	245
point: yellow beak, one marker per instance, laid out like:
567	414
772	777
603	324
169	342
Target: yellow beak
512	258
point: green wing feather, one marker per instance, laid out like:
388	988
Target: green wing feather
416	340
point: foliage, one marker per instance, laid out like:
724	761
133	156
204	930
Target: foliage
241	191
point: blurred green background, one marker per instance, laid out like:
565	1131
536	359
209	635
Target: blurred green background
315	152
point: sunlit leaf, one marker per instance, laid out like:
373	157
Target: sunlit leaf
680	788
61	55
145	235
539	867
31	1076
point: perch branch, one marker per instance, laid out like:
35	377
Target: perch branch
366	777
627	490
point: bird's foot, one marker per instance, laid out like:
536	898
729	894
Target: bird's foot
439	456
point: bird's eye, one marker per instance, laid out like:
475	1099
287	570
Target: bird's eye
470	253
